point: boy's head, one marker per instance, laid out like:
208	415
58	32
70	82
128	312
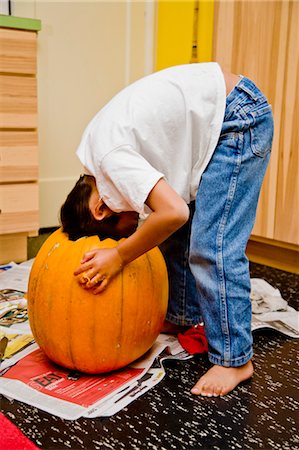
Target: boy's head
85	214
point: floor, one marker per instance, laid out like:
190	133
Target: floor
260	414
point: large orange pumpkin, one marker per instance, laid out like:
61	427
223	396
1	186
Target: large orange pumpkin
95	333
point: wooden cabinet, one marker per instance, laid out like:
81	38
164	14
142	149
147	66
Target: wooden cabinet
18	136
261	40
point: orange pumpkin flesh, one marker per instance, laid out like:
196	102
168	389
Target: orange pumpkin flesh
95	333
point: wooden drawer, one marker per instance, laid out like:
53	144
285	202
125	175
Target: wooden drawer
18	51
18	208
18	102
18	156
13	247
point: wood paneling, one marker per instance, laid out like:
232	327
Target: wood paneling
287	198
18	102
261	40
274	254
19	210
19	207
13	247
18	156
18	51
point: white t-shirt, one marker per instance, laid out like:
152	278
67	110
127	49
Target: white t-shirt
166	124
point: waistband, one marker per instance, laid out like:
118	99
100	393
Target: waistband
248	86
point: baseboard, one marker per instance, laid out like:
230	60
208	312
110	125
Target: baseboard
274	254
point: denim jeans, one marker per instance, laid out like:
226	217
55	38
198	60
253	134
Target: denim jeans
207	265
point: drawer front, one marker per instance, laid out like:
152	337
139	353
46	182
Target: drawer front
18	208
18	51
13	247
18	102
18	156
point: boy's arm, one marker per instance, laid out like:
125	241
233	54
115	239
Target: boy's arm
169	213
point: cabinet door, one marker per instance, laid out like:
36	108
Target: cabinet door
18	156
18	51
18	102
19	207
18	143
261	40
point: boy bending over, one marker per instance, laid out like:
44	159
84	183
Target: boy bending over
187	148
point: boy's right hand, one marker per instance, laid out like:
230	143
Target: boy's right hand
98	267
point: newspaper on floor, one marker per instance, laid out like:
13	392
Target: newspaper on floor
69	394
15	276
14	322
27	375
171	349
271	311
20	344
13	286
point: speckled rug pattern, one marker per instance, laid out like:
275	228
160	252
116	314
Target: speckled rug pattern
260	414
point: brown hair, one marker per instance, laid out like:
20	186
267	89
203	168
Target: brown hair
75	215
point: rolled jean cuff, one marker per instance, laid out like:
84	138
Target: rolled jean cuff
181	321
236	362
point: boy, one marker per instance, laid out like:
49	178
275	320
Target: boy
188	147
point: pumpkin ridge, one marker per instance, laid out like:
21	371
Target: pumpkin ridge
39	334
59	258
140	283
72	310
119	338
153	283
155	270
70	342
34	278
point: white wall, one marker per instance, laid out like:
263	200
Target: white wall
87	52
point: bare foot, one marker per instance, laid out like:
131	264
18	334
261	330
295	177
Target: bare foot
221	380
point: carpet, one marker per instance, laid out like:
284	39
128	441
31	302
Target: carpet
11	438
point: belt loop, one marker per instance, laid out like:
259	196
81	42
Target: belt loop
249	87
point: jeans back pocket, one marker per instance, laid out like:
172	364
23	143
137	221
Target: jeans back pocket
262	130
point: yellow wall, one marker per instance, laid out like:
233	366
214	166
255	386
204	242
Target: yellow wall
174	33
87	52
180	26
205	28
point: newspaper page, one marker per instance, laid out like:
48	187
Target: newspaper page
37	381
271	311
15	276
14	324
20	343
13	286
286	323
170	349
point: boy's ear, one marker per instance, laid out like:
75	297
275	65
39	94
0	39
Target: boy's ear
100	210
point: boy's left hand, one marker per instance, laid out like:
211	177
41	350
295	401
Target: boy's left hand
98	267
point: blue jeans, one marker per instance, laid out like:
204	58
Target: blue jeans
207	265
